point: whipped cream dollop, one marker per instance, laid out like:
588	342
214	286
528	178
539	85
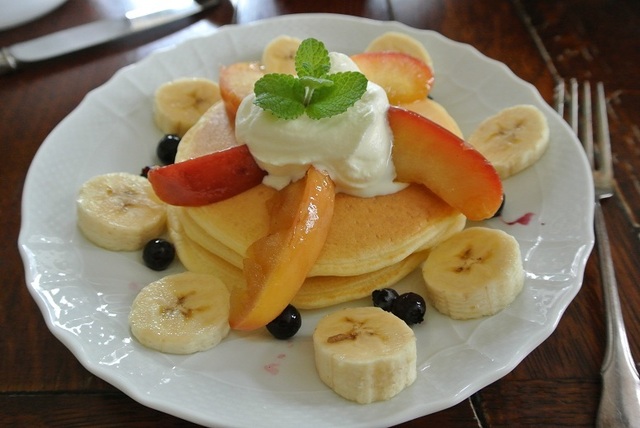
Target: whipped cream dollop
354	147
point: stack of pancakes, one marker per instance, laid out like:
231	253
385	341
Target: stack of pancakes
372	243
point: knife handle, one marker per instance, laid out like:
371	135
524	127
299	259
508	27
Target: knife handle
7	62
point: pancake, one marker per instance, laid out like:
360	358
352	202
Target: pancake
372	243
322	291
211	133
198	235
366	234
316	292
196	258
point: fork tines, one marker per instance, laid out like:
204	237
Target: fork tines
580	116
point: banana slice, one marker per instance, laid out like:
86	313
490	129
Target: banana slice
279	55
474	273
513	139
400	42
119	211
181	313
365	354
179	104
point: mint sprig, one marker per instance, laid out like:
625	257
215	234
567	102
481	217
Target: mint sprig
314	91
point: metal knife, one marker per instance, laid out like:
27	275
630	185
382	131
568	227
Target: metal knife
94	33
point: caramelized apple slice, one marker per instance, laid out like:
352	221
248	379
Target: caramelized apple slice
277	264
207	179
236	81
426	153
404	78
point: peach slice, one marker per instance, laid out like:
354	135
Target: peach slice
236	81
404	78
277	264
425	152
432	110
207	179
210	164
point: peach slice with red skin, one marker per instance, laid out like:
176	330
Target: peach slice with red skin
277	264
404	78
236	81
206	179
425	152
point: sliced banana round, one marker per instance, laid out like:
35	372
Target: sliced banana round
119	211
513	139
400	42
279	55
181	313
365	354
178	104
474	273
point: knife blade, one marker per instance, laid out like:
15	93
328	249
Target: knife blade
98	32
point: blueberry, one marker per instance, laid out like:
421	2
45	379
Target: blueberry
410	307
384	298
286	324
158	254
167	148
144	172
501	207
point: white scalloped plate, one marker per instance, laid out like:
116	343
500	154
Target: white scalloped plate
250	379
15	13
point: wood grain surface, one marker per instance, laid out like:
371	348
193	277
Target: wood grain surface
43	385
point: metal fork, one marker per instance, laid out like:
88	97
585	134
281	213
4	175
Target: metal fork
620	396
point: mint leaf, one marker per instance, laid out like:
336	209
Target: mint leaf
313	90
315	82
281	94
312	59
348	87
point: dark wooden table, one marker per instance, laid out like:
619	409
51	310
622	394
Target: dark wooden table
558	384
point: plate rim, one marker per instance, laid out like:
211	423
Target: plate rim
78	350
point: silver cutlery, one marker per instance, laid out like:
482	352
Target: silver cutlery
94	33
620	394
